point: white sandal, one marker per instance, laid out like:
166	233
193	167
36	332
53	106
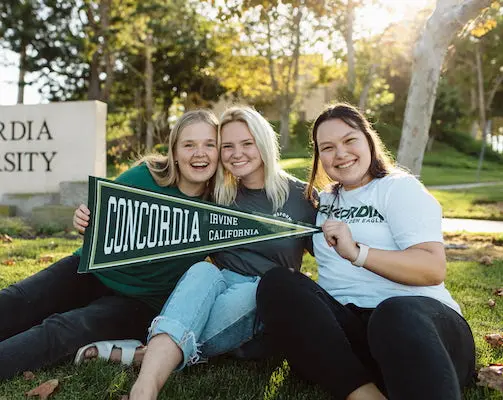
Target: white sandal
105	348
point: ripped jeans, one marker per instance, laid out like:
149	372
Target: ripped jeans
210	312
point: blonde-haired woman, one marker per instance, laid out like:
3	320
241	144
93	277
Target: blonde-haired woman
80	309
212	309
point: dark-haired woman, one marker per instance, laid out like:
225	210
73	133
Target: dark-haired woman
379	323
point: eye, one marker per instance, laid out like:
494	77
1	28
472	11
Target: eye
211	144
326	148
350	140
248	143
188	145
226	146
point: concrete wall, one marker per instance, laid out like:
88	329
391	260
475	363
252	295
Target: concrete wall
44	145
47	152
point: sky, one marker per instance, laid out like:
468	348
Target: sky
373	19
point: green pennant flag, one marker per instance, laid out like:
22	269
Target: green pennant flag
131	226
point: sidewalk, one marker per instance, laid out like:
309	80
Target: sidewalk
471	225
464	185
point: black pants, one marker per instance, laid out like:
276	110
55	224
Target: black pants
411	347
47	317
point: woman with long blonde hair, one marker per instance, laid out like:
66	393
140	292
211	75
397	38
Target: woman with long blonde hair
212	309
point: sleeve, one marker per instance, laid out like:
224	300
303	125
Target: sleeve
138	175
413	214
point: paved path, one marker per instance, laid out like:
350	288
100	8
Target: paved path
464	185
471	225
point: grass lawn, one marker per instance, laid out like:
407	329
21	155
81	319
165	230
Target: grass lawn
481	202
470	283
430	175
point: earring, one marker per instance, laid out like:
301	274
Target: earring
176	162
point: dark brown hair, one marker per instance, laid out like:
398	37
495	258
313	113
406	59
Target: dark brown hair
380	162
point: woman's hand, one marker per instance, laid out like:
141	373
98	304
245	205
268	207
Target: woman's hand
338	236
81	218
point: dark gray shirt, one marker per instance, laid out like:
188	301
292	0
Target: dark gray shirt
258	258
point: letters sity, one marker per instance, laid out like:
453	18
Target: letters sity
25	161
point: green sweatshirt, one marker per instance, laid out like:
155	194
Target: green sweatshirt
152	282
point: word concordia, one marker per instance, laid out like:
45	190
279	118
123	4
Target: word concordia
140	225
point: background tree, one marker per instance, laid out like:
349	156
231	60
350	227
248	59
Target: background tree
430	50
36	31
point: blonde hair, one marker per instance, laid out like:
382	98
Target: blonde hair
275	179
163	167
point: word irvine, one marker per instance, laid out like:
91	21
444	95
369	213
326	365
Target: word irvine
227	220
25	161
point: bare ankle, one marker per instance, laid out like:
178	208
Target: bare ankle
369	391
144	389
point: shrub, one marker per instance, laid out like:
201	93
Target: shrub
15	226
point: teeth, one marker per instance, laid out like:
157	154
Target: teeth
199	164
238	164
346	165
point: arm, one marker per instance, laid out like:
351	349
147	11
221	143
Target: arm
422	264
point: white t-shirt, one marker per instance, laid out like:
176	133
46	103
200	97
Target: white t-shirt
390	213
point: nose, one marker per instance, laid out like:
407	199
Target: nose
340	151
200	151
237	152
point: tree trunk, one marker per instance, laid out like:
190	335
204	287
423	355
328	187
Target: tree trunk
284	130
93	92
138	121
447	19
149	98
480	88
362	105
348	37
474	130
22	74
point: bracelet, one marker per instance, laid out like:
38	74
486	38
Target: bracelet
362	255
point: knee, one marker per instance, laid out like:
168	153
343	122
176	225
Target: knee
203	270
397	320
276	281
280	289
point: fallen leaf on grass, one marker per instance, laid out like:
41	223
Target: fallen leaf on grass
28	375
491	303
45	259
44	390
5	238
499	292
494	339
9	261
491	376
486	260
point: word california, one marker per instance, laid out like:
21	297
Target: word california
134	225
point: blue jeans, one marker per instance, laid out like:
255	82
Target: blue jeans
210	312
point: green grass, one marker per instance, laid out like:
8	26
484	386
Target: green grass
470	283
430	175
481	203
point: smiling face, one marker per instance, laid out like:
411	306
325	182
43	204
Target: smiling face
240	155
196	155
344	153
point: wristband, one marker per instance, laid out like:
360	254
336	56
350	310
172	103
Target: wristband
362	255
